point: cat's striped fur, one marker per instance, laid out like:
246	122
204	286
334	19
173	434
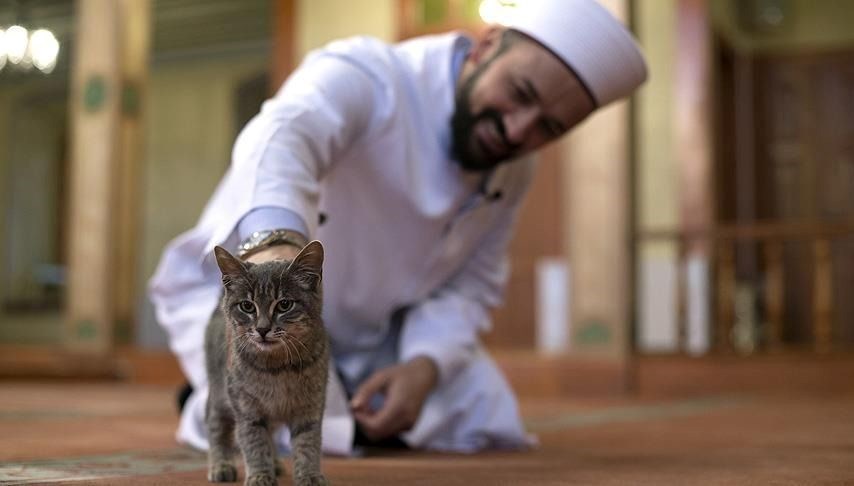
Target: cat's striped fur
267	359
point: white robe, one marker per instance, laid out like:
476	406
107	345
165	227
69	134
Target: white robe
361	133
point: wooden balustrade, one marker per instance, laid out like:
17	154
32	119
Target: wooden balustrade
771	239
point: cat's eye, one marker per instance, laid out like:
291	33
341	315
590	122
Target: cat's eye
247	306
284	305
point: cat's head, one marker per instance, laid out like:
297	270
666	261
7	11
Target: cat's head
274	308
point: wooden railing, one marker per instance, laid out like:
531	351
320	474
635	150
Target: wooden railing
768	240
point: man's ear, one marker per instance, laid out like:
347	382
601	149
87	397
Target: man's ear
486	44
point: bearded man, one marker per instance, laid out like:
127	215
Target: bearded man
409	162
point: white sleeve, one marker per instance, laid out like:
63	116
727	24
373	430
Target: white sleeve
324	108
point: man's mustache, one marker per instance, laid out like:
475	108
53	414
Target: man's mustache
494	116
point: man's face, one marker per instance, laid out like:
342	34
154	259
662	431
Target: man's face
513	102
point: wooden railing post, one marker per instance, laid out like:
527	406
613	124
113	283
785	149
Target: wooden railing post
682	293
774	288
822	295
726	293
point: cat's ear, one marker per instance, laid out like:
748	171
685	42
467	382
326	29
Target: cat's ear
307	267
230	266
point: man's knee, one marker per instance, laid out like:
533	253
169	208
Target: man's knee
480	379
474	410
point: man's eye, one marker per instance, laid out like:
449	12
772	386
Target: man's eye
247	306
284	306
520	94
552	129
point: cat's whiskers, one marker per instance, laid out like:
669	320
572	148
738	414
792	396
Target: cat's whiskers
238	350
245	343
303	345
231	339
288	346
287	349
299	355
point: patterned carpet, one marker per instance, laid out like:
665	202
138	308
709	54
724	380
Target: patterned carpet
125	464
799	429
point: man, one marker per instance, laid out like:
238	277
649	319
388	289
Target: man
410	153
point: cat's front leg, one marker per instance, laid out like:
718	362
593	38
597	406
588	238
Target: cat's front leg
256	443
220	426
305	439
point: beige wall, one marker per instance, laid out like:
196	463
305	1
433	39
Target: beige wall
321	21
5	151
656	206
31	127
189	132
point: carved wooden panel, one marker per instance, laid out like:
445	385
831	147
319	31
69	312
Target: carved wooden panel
805	167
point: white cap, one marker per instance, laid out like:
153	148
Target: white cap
595	45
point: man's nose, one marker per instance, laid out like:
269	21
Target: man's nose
518	124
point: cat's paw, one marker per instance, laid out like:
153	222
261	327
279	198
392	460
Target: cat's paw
261	479
280	468
222	472
313	480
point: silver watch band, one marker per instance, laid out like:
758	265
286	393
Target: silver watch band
260	240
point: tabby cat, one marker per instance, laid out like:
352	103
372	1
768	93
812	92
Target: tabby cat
267	356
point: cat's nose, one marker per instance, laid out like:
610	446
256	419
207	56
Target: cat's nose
262	331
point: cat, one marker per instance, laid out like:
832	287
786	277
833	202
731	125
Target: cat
267	356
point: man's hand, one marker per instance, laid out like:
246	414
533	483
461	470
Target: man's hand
405	386
275	252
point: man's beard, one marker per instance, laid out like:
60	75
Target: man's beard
463	123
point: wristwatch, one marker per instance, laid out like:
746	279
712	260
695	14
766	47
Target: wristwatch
260	240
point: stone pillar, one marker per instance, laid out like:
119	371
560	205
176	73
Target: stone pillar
111	41
693	148
136	26
596	232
